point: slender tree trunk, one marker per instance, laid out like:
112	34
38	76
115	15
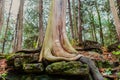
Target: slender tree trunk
40	23
115	17
79	22
92	25
75	27
20	26
5	36
1	13
15	35
70	16
100	23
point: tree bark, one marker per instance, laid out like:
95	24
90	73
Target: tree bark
58	46
115	17
19	26
79	22
8	19
40	23
1	13
75	27
70	17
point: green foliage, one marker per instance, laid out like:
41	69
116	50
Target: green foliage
116	52
4	76
108	71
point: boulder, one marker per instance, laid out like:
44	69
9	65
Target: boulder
92	46
33	68
68	68
114	47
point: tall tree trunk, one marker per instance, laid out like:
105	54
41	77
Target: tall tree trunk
115	17
1	13
5	36
70	16
79	22
58	46
92	25
20	26
40	23
75	27
100	23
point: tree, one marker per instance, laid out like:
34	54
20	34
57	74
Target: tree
19	27
70	16
79	22
1	13
100	23
58	47
115	17
40	23
8	19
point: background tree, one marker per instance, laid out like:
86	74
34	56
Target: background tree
19	27
40	23
1	13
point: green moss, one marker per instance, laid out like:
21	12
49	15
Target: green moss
68	68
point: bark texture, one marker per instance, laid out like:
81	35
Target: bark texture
58	46
19	28
40	23
115	17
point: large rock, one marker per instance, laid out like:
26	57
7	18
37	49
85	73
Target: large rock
92	46
114	47
68	68
33	68
18	59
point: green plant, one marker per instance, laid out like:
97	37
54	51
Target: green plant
4	76
116	52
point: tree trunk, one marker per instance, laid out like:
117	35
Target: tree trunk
79	22
70	16
115	17
1	13
19	26
40	23
5	36
100	23
75	27
58	46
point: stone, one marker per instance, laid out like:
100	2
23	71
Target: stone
68	68
92	46
114	47
33	68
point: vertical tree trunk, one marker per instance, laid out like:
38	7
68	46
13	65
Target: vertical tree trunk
70	16
20	26
1	13
79	22
75	27
115	17
5	36
100	24
40	23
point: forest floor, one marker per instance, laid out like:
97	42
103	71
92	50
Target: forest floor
112	71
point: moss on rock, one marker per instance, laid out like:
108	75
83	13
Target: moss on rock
68	68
